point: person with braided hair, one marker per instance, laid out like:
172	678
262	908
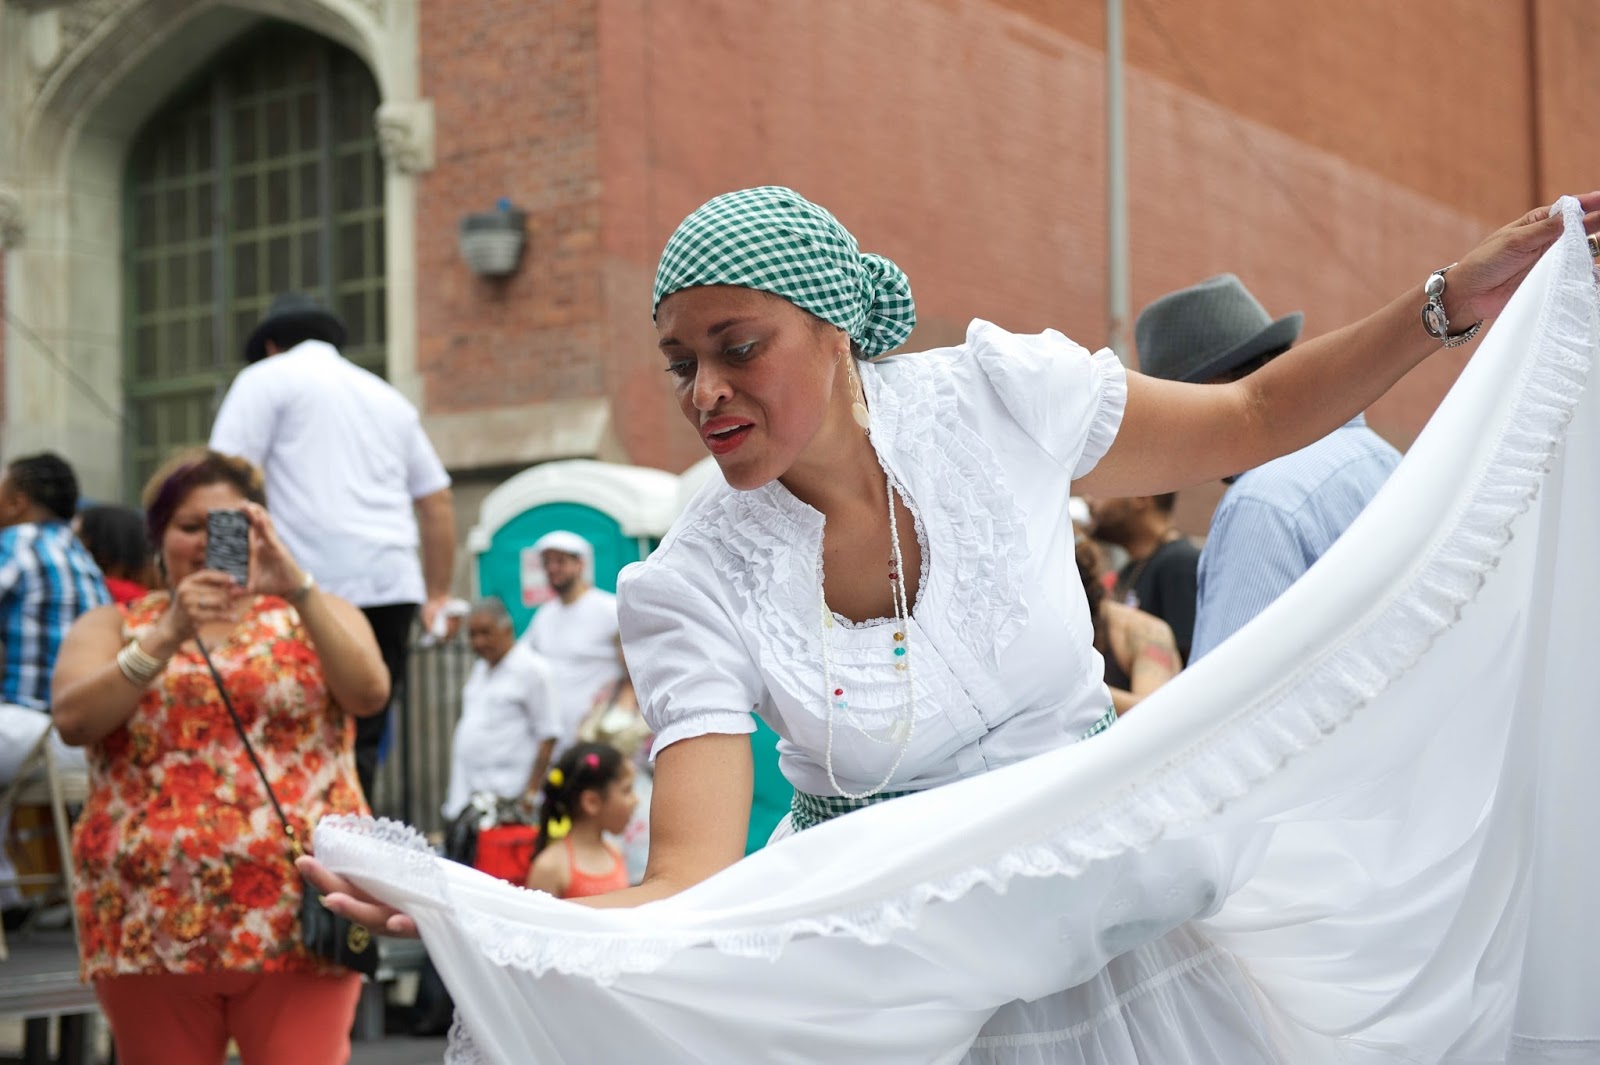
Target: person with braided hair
47	579
587	794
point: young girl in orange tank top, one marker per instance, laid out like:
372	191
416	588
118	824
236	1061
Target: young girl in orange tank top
589	792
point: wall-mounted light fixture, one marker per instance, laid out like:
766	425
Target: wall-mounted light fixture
491	241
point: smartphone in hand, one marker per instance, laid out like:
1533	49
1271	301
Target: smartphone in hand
228	544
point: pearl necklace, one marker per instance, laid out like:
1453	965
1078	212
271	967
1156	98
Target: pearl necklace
906	726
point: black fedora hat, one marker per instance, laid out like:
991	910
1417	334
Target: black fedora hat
294	308
1206	330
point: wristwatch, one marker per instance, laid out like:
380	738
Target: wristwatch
1435	321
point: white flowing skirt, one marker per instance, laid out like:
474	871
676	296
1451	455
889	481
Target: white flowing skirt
1365	829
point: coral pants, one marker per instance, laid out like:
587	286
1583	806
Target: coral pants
187	1019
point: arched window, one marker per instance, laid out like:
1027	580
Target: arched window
262	175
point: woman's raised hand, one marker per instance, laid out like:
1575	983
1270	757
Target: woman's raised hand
273	570
349	901
1481	285
203	597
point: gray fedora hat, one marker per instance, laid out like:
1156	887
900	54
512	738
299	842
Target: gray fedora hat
294	308
1206	330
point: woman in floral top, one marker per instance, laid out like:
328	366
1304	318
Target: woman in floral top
187	901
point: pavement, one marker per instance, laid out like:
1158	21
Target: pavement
398	1050
40	977
391	1050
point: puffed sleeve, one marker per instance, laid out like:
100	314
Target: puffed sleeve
691	671
1068	400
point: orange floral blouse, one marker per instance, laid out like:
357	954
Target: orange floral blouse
182	866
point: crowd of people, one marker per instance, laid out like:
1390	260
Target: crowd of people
119	630
197	702
205	705
530	701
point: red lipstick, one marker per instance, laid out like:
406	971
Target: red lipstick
722	435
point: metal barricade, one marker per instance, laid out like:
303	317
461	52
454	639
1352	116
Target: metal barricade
411	782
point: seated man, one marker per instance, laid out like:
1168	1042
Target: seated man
46	580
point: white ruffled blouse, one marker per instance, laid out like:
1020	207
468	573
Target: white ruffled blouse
723	621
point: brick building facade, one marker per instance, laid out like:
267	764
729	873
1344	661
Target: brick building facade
1330	154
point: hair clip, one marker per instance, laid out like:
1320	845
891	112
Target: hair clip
556	778
592	760
559	827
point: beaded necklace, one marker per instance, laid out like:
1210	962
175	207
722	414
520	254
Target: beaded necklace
906	726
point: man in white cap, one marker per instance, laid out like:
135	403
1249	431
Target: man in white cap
1277	519
575	632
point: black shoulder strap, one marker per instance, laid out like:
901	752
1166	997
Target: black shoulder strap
288	829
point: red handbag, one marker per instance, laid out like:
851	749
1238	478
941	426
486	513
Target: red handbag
506	851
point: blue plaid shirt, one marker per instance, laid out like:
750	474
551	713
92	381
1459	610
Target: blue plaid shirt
46	580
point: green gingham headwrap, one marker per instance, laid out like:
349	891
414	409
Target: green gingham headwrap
775	240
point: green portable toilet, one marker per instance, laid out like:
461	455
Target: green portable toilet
622	510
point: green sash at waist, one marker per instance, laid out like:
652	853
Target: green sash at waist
808	811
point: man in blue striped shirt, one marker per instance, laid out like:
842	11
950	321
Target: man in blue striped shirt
1277	519
47	579
46	576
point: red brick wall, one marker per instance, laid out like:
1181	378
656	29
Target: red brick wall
1567	98
1356	79
1329	154
514	91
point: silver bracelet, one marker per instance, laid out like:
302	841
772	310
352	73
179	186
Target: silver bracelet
298	596
1435	321
137	665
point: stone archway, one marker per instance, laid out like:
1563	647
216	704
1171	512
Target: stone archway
84	76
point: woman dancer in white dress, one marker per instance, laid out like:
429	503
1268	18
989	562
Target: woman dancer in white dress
887	576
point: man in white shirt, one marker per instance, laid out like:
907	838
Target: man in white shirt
508	725
576	632
351	477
